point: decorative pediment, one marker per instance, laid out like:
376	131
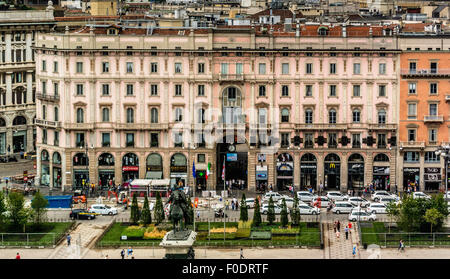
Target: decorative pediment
412	126
382	104
80	104
261	103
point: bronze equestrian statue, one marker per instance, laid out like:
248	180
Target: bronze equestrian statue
178	209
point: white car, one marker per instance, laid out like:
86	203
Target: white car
306	209
447	195
358	201
289	202
386	200
357	208
336	196
324	201
421	195
378	194
376	207
305	196
361	216
275	196
265	209
342	207
250	202
103	209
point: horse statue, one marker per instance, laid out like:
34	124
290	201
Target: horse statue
178	209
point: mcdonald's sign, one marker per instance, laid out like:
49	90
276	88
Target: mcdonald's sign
332	165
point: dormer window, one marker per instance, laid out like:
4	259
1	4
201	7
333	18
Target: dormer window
322	31
112	31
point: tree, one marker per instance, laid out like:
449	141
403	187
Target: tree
18	215
244	210
433	216
38	205
159	209
393	211
295	213
271	212
3	209
284	214
257	214
190	212
146	214
134	217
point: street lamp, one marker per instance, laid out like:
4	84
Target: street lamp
444	152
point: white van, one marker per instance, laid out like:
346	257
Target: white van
342	207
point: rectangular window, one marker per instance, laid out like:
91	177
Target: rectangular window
44	65
382	69
356	140
129	67
262	91
178	90
224	68
433	109
106	139
201	68
130	140
411	156
412	88
356	90
178	139
79	67
154	89
412	67
105	67
79	139
382	90
411	135
433	88
285	90
356	68
130	90
105	89
285	68
309	140
201	90
432	135
201	158
239	68
332	140
412	111
333	68
154	140
431	157
44	136
177	68
154	67
55	89
309	68
308	90
55	66
332	90
285	137
80	89
433	68
44	88
262	68
56	138
381	141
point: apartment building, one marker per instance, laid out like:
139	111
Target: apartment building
318	105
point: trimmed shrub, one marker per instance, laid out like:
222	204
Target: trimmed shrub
243	233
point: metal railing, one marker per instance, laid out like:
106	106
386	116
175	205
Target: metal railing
433	118
425	72
409	239
28	239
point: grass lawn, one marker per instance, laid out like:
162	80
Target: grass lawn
309	235
377	233
47	235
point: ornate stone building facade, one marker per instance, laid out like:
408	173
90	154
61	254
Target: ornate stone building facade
319	105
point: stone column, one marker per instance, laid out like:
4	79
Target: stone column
344	172
297	170
8	88
29	143
64	169
118	167
37	180
8	47
50	167
422	172
320	169
29	43
29	87
142	165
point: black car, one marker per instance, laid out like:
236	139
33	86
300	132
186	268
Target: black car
81	214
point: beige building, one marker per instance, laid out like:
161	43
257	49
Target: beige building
103	7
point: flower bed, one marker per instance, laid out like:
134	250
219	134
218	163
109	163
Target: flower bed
285	231
220	230
134	232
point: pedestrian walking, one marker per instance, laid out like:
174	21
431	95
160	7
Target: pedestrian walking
346	232
198	214
401	246
334	226
338	225
354	250
129	252
17	256
122	254
242	254
350	225
68	239
338	234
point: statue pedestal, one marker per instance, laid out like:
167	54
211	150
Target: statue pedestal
178	245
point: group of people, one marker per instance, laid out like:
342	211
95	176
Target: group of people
234	204
347	231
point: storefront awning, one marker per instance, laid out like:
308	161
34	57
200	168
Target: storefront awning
140	182
160	182
153	175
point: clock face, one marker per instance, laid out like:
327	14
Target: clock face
231	148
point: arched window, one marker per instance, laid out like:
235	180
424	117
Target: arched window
309	116
285	115
178	160
44	112
130	159
332	116
56	158
44	156
80	159
284	157
356	116
56	114
381	158
154	115
105	114
106	159
381	116
2	122
332	158
130	115
308	157
80	115
19	120
356	158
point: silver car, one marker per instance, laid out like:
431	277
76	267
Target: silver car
358	201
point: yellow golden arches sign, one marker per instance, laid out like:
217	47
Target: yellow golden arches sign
332	166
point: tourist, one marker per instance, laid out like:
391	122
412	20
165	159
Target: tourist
17	256
338	226
129	252
346	232
122	254
241	254
68	239
354	250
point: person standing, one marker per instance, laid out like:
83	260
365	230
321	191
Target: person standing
346	232
401	246
122	254
68	239
17	256
354	250
334	226
338	234
242	254
129	252
338	226
198	214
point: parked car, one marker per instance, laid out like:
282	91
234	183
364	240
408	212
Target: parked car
81	214
376	207
361	216
265	209
306	209
358	208
324	201
289	202
386	200
358	201
275	196
342	207
250	202
421	195
103	209
305	196
336	196
378	194
447	195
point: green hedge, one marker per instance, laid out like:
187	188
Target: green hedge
243	233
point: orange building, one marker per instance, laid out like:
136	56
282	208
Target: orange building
424	118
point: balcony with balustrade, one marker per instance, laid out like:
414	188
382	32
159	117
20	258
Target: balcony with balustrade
425	73
47	124
433	118
412	144
47	97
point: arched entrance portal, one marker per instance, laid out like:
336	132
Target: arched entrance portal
332	168
355	172
235	155
285	171
308	171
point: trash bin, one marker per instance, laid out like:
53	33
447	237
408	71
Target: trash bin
365	246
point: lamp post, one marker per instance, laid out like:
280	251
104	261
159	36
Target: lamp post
444	151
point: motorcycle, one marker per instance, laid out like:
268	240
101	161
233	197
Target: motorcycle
220	214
